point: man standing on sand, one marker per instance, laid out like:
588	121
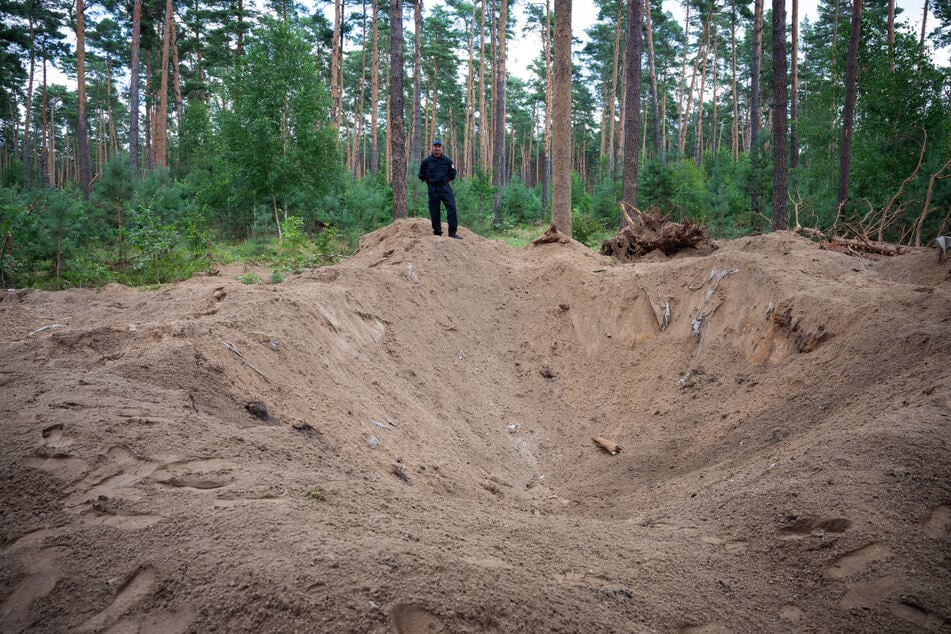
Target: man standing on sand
436	171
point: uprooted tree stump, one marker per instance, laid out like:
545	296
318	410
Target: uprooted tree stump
648	232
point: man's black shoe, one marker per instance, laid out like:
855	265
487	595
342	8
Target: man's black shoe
437	233
456	236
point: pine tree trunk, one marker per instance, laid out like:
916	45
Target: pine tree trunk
713	122
357	134
779	115
698	129
701	52
561	124
655	111
415	141
632	107
25	146
754	101
161	116
44	151
546	150
336	66
82	136
891	35
794	91
395	118
177	84
848	110
499	176
134	92
375	90
483	118
610	105
683	75
468	143
735	128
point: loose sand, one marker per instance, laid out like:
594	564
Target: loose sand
403	443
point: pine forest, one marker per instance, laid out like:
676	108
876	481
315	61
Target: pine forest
142	141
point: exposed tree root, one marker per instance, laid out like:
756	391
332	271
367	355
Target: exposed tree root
648	232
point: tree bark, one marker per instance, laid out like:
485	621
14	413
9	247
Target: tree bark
415	140
25	146
375	88
754	102
483	118
683	73
177	76
160	143
356	158
499	177
848	110
735	127
779	115
546	167
396	127
44	123
82	135
891	35
609	108
336	66
794	91
632	107
655	112
561	125
134	91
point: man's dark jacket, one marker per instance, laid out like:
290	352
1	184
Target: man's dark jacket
437	171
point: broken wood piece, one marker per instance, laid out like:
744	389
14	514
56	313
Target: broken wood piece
41	329
400	472
608	445
233	349
380	425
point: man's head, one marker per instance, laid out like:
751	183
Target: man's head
437	147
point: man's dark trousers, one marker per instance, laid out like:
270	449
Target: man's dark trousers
441	192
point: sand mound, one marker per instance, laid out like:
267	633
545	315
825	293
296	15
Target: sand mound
403	443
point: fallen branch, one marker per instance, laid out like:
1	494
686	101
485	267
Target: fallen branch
901	188
233	349
867	246
38	330
609	446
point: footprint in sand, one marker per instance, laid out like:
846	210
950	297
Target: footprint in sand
805	526
909	609
197	475
851	562
114	479
137	587
869	594
53	436
40	574
412	619
53	459
61	465
164	622
938	523
121	520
